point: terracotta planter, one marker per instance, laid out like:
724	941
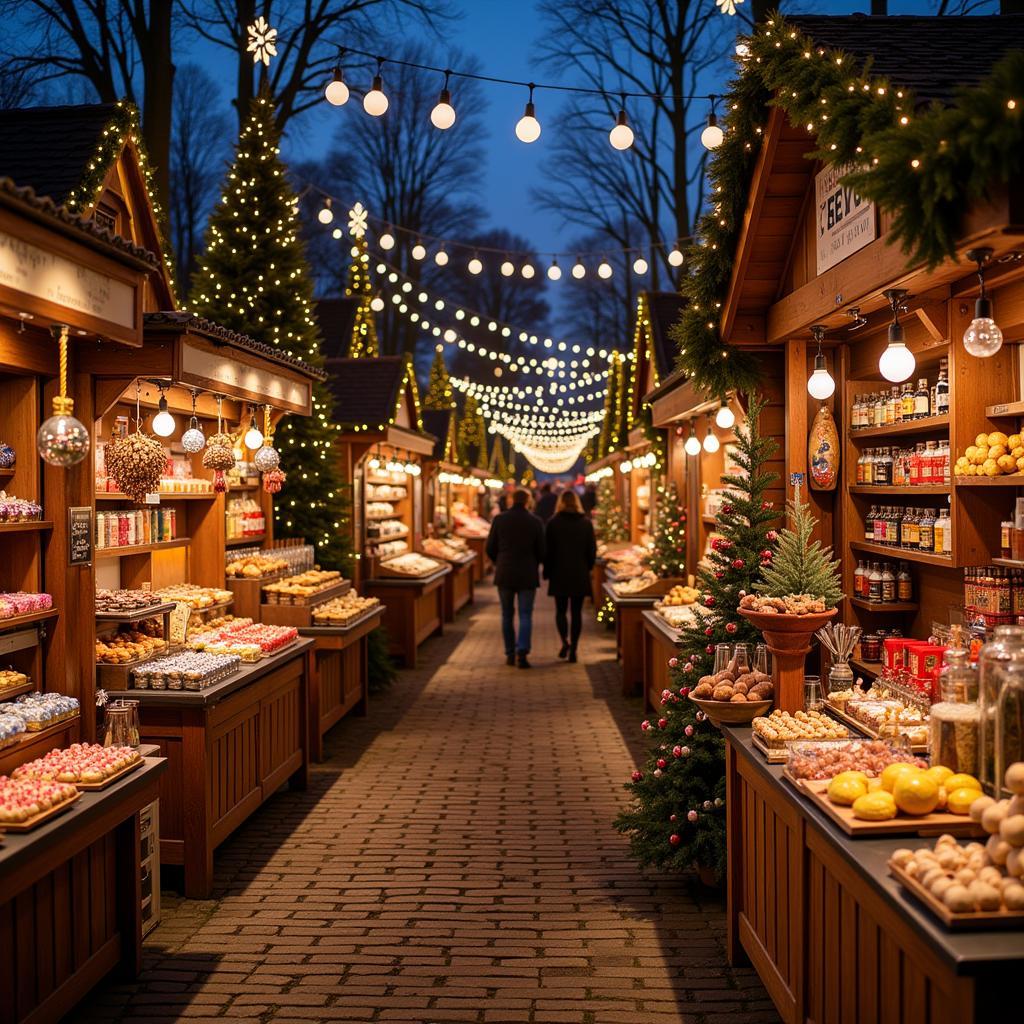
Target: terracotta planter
789	639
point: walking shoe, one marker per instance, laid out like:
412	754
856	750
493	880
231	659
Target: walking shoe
572	654
510	660
564	651
522	662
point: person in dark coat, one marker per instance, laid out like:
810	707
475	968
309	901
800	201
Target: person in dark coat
589	498
571	553
546	502
516	547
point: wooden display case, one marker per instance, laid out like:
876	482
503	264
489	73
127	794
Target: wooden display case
459	585
629	636
659	645
414	610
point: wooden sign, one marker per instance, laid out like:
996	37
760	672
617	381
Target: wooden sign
846	221
80	534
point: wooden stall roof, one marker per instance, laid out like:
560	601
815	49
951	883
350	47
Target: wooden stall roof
336	317
916	53
441	424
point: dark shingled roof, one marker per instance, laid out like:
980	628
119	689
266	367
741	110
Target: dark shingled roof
438	423
665	308
366	390
336	318
929	55
50	148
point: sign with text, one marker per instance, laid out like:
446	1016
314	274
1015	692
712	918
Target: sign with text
80	535
846	221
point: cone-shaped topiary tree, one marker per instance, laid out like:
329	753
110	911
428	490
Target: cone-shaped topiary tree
253	278
668	555
440	394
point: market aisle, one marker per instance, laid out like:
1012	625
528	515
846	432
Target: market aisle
453	861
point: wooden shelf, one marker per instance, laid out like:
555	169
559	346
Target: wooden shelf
31	736
883	607
142	549
244	487
1004	409
902	491
41	524
1009	563
1011	480
14	621
901	554
168	495
928	425
866	668
380	517
6	474
253	538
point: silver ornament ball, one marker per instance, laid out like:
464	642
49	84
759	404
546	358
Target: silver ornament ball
266	459
193	440
63	441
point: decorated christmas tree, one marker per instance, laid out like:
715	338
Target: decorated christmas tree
677	816
668	556
609	519
364	342
253	278
472	435
440	394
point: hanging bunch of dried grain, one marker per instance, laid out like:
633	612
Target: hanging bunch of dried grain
219	456
273	481
135	463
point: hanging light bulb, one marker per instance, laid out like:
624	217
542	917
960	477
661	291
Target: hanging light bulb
604	270
897	362
639	265
621	136
375	103
692	446
528	127
253	436
712	136
711	442
441	257
336	92
326	214
742	50
386	240
983	338
820	385
475	265
443	114
418	251
163	421
508	268
527	271
579	269
675	257
725	417
376	303
554	271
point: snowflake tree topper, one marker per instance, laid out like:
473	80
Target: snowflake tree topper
262	41
727	6
357	221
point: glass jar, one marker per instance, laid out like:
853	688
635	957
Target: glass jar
121	724
840	677
954	720
1000	662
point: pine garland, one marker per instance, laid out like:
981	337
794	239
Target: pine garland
924	167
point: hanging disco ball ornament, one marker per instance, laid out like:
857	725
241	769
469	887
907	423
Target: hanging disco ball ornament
7	457
62	440
193	440
267	458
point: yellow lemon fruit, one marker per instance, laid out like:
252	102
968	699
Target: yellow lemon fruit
1020	464
858	776
915	793
943	797
1017	451
969	452
972	470
996	450
1007	463
845	791
959	800
939	772
959	781
891	772
875	785
991	467
1013	441
878	806
980	455
997	437
981	439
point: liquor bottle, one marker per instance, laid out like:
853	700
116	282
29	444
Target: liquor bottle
869	524
888	583
942	389
922	400
858	579
896	400
904	583
875	583
908	401
926	530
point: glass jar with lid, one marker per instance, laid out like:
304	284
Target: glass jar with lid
1000	664
954	718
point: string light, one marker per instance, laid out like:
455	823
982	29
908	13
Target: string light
554	271
712	136
443	114
527	271
621	136
163	421
639	266
711	442
375	103
579	269
897	362
983	337
508	268
336	92
475	265
528	127
692	446
725	417
441	257
675	257
604	270
326	214
386	241
820	385
418	251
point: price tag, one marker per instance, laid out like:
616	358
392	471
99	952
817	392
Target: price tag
152	499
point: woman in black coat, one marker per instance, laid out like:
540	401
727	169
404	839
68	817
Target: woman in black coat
570	554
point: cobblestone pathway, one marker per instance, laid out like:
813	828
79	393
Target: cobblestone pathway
451	861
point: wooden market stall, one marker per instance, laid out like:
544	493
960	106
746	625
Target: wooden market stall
381	446
832	935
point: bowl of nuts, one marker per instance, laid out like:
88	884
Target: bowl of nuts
734	696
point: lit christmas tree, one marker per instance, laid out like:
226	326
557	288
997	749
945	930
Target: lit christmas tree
364	342
677	818
668	556
609	519
440	394
253	278
472	435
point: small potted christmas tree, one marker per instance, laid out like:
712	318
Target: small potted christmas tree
798	592
667	558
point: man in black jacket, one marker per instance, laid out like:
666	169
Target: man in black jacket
546	502
516	547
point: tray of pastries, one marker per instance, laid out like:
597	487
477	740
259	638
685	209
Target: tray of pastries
190	670
303	588
772	732
39	711
12	727
196	597
341	611
27	803
254	567
409	565
88	766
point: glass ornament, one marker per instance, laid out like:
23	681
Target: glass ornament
193	440
63	440
266	459
7	457
983	338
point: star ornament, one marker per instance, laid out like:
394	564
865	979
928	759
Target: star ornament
262	41
728	7
357	221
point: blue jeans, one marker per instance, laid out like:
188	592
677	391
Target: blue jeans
508	625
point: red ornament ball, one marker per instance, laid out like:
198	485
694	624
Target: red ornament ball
688	730
691	816
772	535
709	600
674	839
719	575
662	763
671	817
662	722
645	725
727	507
738	563
677	751
688	667
766	555
683	691
637	776
672	662
709	631
765	505
710	648
731	627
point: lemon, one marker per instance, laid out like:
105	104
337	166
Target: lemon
878	806
997	437
915	793
874	785
845	791
959	781
858	776
939	772
891	772
981	439
959	800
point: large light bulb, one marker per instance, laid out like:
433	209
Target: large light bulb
604	270
528	127
712	136
897	362
711	442
554	271
621	136
163	421
821	385
475	265
443	114
386	241
639	265
376	303
675	257
692	446
441	258
983	338
579	269
725	417
375	102
418	251
253	436
527	271
326	214
336	92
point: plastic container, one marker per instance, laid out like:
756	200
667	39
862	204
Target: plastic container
1000	663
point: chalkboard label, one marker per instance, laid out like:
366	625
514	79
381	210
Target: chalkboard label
80	533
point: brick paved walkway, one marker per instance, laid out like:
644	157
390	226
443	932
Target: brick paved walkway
451	861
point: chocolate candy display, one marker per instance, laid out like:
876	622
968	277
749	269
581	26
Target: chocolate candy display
41	710
18	510
126	600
